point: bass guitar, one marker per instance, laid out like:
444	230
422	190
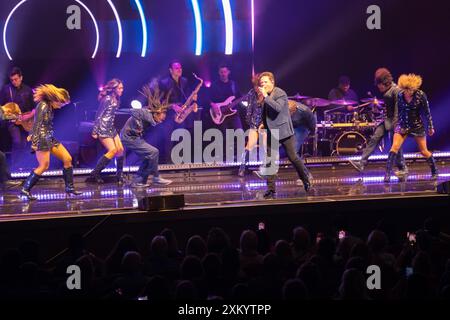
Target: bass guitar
220	111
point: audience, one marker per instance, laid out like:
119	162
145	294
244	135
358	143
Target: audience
333	267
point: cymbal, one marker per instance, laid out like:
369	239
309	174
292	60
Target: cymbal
378	101
298	97
343	102
316	102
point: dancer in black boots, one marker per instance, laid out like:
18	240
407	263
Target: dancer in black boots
48	98
105	131
254	120
412	104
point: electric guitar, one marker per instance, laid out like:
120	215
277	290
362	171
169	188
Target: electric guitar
181	113
12	111
225	109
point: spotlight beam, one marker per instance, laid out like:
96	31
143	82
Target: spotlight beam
119	28
228	27
144	29
198	28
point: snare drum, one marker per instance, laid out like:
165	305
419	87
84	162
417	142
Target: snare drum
350	143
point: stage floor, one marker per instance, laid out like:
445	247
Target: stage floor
206	189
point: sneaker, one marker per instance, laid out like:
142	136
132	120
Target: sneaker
401	172
139	185
259	175
159	180
357	165
269	195
11	184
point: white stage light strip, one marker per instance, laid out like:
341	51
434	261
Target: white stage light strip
144	29
119	28
5	27
198	28
97	33
228	27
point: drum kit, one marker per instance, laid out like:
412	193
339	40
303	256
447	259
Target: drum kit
346	125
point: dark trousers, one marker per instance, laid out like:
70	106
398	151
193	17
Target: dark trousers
4	172
289	147
148	154
301	133
380	132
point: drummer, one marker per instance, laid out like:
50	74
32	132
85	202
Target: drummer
343	92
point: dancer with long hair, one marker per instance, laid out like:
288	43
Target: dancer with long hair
412	104
48	98
104	130
254	120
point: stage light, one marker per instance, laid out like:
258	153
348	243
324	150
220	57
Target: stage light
228	27
135	104
253	35
119	28
144	28
5	27
198	28
97	33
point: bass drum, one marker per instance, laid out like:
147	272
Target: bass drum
350	143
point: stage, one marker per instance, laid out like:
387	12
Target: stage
209	188
219	198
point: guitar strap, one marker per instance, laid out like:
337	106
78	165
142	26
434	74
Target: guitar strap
10	93
233	88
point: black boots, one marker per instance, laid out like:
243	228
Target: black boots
68	180
432	164
389	164
243	165
28	184
119	168
95	174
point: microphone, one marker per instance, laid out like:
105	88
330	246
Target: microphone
369	93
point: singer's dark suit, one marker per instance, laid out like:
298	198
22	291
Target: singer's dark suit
277	120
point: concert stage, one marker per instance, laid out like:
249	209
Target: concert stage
340	196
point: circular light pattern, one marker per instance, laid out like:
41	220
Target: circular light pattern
5	27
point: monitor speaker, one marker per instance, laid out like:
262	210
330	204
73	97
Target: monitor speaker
161	202
444	187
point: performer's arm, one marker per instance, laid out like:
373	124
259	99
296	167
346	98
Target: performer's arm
427	112
145	115
104	102
38	122
277	103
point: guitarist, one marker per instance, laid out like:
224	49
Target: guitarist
21	94
220	90
179	89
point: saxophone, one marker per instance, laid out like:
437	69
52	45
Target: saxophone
185	110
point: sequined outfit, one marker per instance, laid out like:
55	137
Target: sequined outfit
104	119
42	133
254	110
410	115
